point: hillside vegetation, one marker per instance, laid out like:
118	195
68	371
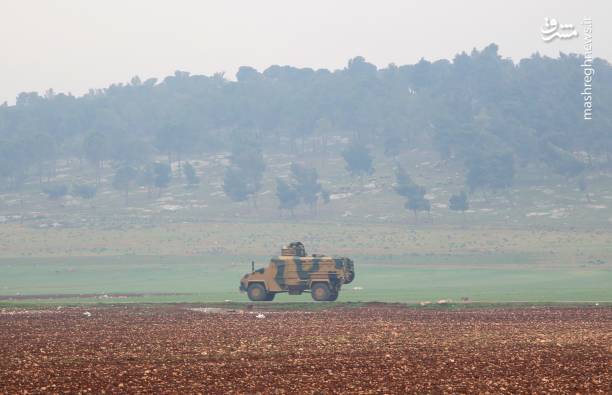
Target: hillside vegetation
475	140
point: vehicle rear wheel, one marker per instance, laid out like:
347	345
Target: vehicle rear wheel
257	292
270	296
321	292
333	297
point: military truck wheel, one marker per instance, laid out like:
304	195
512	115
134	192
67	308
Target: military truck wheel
270	296
333	297
257	292
321	292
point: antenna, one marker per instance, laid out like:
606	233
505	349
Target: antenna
252	266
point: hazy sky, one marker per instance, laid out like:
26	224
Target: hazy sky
73	45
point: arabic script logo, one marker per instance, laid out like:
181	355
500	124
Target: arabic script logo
553	29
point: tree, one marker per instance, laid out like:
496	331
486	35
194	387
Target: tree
459	202
84	191
163	176
247	74
95	148
236	184
131	152
18	157
584	187
42	148
190	174
124	180
405	186
325	195
5	168
563	162
247	155
472	107
306	181
287	195
393	146
146	178
358	159
494	171
303	186
243	177
55	192
416	204
178	139
165	142
14	163
414	194
323	129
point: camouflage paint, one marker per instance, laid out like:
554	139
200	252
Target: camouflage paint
300	273
305	274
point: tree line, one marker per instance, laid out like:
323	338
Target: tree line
479	109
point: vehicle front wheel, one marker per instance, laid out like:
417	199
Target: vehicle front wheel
333	297
270	296
257	292
321	292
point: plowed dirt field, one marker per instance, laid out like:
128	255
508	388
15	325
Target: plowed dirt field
374	349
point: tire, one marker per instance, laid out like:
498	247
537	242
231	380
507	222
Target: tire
333	297
257	292
270	296
350	278
320	292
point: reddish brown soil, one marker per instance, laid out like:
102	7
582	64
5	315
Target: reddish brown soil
85	296
382	349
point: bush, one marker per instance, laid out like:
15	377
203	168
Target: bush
459	202
190	174
54	192
84	191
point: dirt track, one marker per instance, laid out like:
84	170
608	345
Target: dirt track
382	349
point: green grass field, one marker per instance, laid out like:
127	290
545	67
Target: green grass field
215	279
543	240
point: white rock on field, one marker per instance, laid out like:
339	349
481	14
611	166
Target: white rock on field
87	314
260	315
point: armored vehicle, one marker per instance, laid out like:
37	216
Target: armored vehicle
295	272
